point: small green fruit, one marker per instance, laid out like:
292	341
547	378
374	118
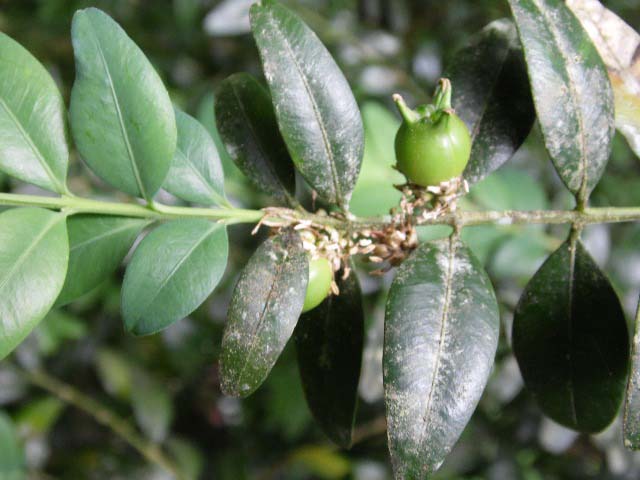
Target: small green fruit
433	144
320	277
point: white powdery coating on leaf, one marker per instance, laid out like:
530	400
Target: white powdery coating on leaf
577	129
264	308
440	337
319	118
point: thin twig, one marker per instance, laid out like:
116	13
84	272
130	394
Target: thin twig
105	417
237	215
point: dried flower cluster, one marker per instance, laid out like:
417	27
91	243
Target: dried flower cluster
387	245
420	204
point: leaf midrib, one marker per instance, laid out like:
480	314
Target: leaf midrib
445	317
23	256
316	111
175	268
59	187
263	314
213	194
104	235
116	103
574	97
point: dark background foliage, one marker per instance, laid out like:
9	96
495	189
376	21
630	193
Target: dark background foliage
168	383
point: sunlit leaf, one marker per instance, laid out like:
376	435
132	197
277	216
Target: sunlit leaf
618	45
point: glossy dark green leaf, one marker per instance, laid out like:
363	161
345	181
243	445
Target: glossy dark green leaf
247	125
441	334
196	172
121	116
12	458
264	309
34	251
491	94
315	108
571	91
97	245
173	270
329	342
33	138
571	342
632	404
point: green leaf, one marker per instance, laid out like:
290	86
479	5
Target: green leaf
121	116
315	108
617	43
264	309
196	172
38	416
571	342
56	328
234	179
12	459
188	457
33	136
329	342
152	405
571	91
441	334
247	124
173	270
115	372
97	245
491	94
34	251
632	404
374	193
322	461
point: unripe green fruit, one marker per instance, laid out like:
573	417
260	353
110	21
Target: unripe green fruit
320	277
432	145
429	153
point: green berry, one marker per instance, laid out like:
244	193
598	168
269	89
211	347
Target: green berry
320	277
433	144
